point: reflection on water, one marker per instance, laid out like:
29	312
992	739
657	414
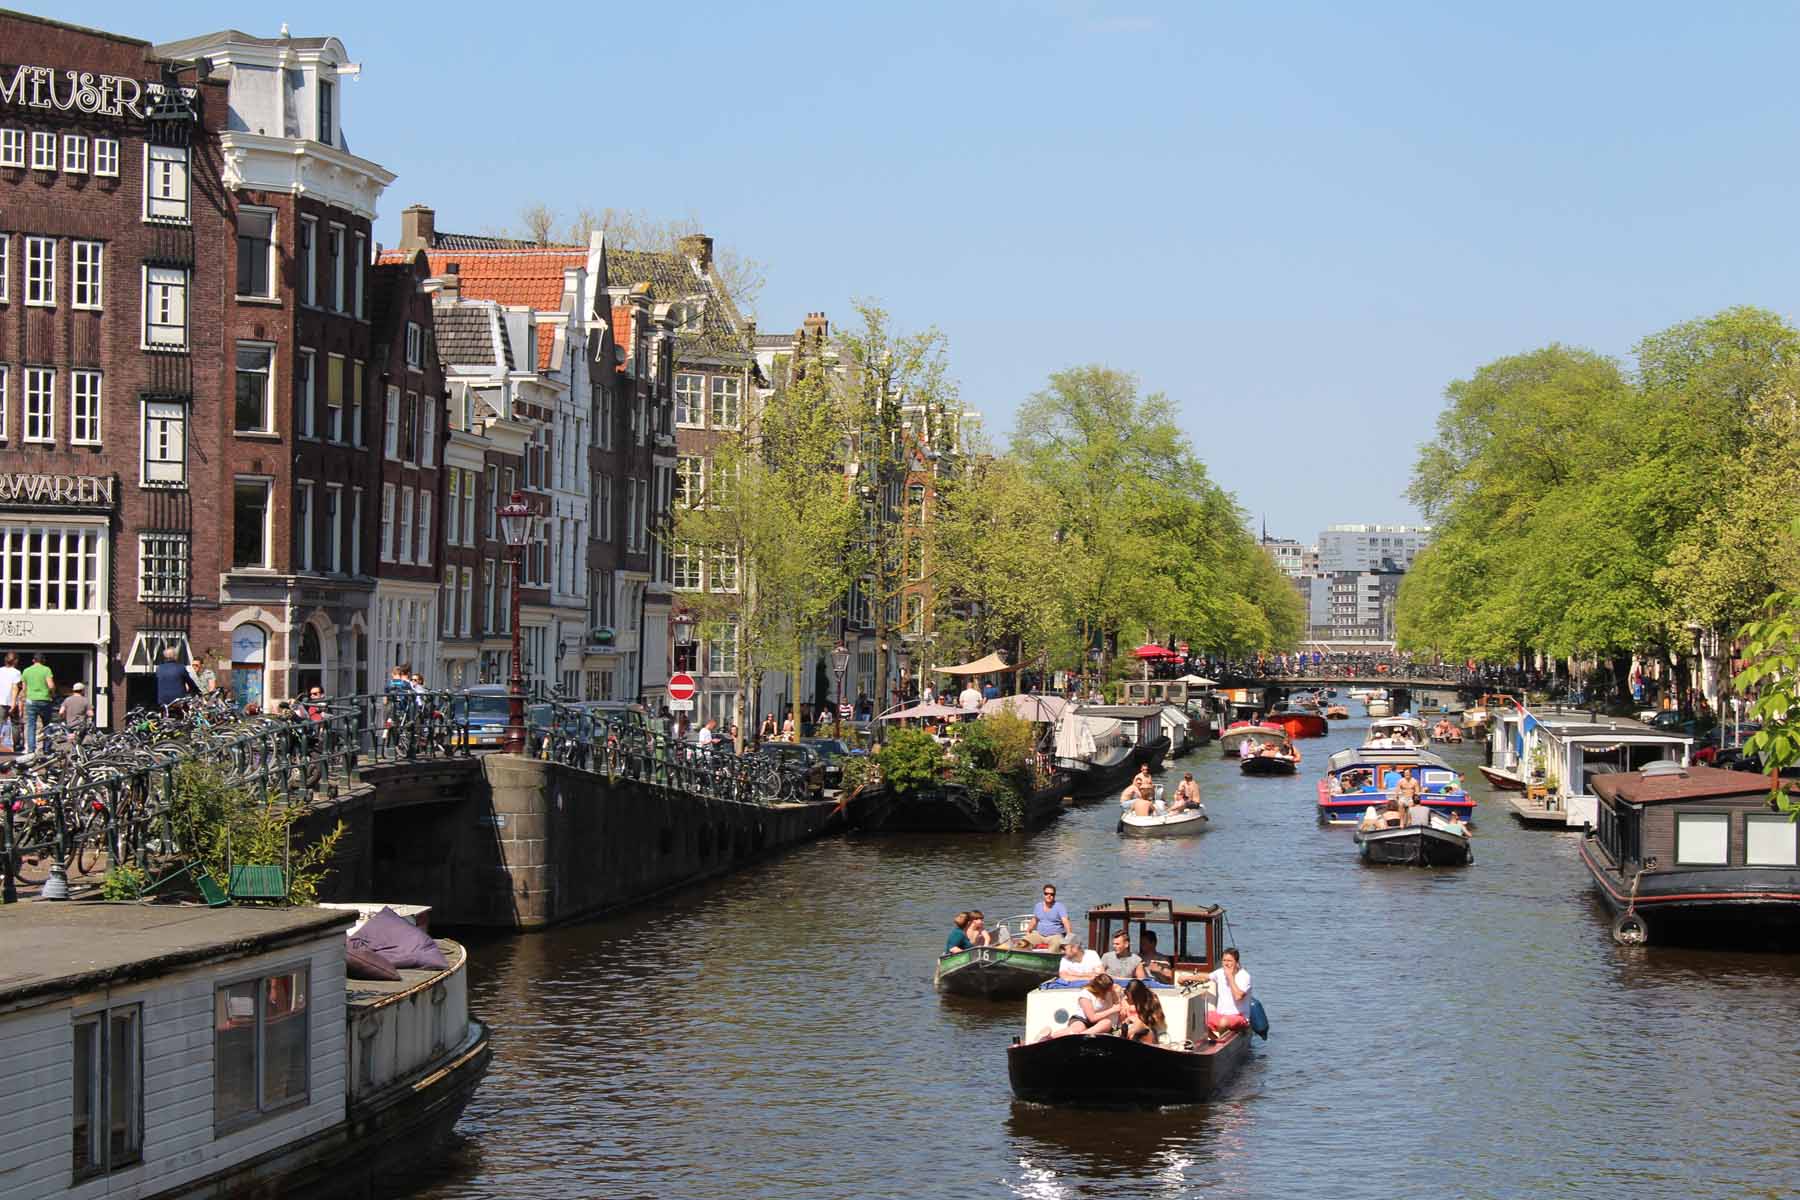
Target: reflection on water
776	1034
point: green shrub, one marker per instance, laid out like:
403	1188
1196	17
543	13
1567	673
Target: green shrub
124	882
910	760
220	823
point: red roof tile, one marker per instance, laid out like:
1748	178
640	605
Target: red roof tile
533	278
546	339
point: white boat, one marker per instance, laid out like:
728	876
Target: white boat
1404	728
1379	703
1185	823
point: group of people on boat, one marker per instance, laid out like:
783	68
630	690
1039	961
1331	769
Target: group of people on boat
1132	1010
1405	805
1254	747
1446	731
1140	795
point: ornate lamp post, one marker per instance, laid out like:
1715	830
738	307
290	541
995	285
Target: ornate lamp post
840	662
682	622
515	523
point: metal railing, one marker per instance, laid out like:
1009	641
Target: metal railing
91	796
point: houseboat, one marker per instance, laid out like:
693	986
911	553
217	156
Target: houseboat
1100	747
1191	695
1101	1071
1356	780
1554	755
1505	764
1685	854
177	1053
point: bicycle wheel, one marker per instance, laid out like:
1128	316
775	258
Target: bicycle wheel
90	841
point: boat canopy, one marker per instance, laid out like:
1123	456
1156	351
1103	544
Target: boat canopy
1197	681
1373	756
991	664
1193	937
1080	735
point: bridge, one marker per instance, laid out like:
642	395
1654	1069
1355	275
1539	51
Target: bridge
1453	681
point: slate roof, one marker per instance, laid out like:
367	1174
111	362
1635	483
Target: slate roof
465	335
478	241
672	279
530	277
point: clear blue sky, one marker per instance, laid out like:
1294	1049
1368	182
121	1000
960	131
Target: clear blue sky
1300	224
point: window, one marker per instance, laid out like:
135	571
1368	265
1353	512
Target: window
406	524
721	650
468	599
684	572
361	245
1702	838
327	128
689	394
493	508
453	508
915	615
12	147
468	519
260	1047
305	401
5	265
108	1069
166	183
356	509
43	150
40	404
334	397
4	380
75	153
165	443
725	573
255	376
489	600
391	444
303	525
250	523
447	605
915	559
255	252
915	503
427	431
106	157
40	272
1771	840
51	568
334	531
357	369
690	478
387	522
307	251
85	275
415	345
165	308
409	429
84	408
163	566
424	528
603	421
334	253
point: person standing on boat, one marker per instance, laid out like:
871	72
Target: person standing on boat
1407	790
1231	994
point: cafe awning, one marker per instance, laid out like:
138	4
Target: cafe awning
992	664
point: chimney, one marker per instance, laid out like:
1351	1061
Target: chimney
418	227
698	247
450	283
816	325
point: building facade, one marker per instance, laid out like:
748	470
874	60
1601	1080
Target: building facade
1362	547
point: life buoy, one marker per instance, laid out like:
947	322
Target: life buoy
1630	929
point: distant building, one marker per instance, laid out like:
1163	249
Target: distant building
1363	547
1294	559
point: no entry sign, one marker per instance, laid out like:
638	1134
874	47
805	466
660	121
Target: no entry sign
681	687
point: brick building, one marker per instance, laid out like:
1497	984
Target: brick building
115	246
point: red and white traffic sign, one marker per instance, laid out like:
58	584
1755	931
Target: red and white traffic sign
681	687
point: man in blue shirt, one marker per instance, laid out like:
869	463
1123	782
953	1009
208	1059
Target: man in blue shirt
173	681
1052	924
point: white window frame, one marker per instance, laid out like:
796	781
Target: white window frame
335	246
405	554
87	272
96	1025
388	500
159	307
5	265
264	1109
415	345
427	430
306	391
334	528
40	272
268	549
468	601
166	187
391	424
155	546
75	153
169	412
5	374
725	573
359	243
304	517
12	147
39	407
358	369
306	249
43	150
337	368
1712	821
356	514
106	157
86	404
423	551
1784	834
721	388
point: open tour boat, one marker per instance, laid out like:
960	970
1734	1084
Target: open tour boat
1357	779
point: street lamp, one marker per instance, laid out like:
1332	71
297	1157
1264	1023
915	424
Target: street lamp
515	523
840	662
682	622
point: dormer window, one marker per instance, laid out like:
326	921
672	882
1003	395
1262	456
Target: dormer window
691	314
327	130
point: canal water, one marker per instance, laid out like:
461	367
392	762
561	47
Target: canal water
1458	1033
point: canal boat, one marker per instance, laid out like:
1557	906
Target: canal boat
1694	854
1103	1071
1230	741
1404	728
1568	750
1442	842
1336	712
1100	747
1186	823
1447	733
1300	722
1379	704
1363	777
995	972
223	1052
1272	756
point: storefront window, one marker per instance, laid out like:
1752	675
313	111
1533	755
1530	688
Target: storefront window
312	661
249	651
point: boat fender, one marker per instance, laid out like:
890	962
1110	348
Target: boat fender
1630	929
1259	1020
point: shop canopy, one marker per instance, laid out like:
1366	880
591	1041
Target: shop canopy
993	664
1152	650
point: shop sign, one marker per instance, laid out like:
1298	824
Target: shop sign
51	629
91	92
59	491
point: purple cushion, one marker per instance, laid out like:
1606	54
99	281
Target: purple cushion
361	961
401	942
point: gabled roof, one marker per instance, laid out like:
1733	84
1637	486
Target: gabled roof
674	278
466	333
529	277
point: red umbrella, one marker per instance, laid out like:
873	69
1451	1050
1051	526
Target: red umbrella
1152	650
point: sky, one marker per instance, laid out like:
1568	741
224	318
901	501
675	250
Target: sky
1298	221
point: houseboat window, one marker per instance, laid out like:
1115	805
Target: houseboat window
1703	839
260	1039
109	1091
1771	840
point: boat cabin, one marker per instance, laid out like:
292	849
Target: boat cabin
1374	771
1178	692
1411	728
1141	724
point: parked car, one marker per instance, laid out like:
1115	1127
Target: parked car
802	757
487	708
1673	720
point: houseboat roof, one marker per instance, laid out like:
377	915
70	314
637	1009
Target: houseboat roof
1121	712
1581	722
1664	786
56	950
1401	756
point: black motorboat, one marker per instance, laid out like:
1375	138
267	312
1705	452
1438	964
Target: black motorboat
1433	845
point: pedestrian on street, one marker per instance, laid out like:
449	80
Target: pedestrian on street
75	707
39	685
9	703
